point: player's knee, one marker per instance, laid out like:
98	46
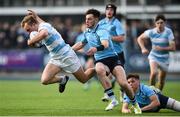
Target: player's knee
82	81
100	72
44	81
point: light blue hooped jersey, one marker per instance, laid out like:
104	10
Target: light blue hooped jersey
54	42
142	96
93	38
115	29
162	40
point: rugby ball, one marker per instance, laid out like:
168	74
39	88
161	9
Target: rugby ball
33	34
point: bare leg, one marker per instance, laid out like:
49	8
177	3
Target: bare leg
101	73
153	73
48	75
161	79
82	76
89	64
106	83
120	75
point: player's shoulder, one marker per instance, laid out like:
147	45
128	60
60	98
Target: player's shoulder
45	24
144	87
168	30
151	31
102	21
116	20
102	29
80	36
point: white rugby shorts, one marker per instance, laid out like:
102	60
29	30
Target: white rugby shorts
163	65
68	63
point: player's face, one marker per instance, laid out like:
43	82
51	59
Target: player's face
134	83
29	28
90	21
160	24
109	12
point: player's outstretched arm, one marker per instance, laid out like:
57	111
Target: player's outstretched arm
77	46
34	14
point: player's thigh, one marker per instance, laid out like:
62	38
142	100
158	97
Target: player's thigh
100	68
50	71
119	74
153	66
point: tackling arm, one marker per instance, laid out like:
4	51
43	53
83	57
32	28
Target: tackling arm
104	44
78	46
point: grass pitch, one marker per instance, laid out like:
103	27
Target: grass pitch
29	97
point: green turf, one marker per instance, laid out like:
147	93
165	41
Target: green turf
24	98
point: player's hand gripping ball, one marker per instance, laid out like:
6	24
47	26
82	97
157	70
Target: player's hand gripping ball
37	44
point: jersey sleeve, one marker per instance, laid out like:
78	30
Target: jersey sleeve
147	33
103	34
170	35
83	38
148	91
119	28
45	26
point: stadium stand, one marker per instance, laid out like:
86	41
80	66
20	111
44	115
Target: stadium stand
136	15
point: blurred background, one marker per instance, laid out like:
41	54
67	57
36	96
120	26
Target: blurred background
17	60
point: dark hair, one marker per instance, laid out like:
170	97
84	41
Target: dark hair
131	75
113	7
95	12
160	16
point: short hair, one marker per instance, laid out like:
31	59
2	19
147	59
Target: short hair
136	76
29	19
113	7
160	16
95	12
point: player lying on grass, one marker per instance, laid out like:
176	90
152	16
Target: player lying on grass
63	58
148	99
